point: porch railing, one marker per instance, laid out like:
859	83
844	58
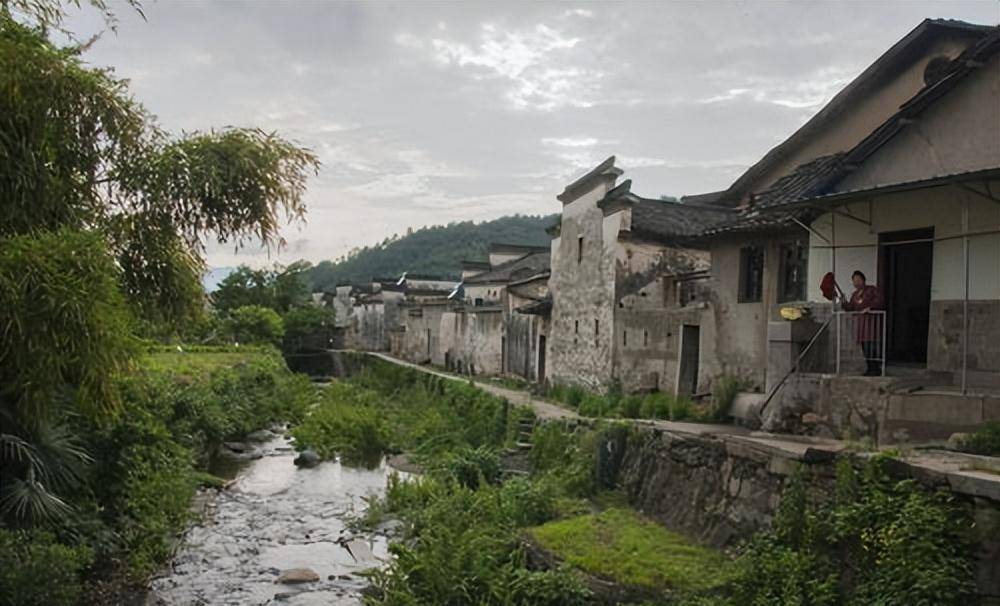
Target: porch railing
860	342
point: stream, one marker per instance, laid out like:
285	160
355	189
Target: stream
274	517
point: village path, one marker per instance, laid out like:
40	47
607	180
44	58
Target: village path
968	474
543	410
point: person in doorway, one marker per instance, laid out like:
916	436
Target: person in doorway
867	298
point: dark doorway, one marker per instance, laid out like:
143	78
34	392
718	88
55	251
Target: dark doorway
428	344
687	382
905	260
541	359
503	355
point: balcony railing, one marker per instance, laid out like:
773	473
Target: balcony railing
860	342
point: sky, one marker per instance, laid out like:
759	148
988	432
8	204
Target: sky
425	113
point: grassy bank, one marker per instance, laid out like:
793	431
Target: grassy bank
145	464
466	526
619	545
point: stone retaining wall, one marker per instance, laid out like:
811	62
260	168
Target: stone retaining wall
721	489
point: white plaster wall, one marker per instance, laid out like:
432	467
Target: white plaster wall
865	113
940	208
958	133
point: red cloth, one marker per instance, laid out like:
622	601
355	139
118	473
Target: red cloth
869	326
829	286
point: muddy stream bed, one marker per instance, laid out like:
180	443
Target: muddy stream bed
272	518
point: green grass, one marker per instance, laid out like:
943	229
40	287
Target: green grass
196	363
620	545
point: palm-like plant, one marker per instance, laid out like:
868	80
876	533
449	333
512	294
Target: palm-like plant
37	463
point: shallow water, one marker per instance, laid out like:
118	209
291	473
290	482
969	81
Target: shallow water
272	518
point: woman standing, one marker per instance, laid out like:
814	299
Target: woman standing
867	298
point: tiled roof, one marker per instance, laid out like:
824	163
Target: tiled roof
516	269
537	308
660	219
810	179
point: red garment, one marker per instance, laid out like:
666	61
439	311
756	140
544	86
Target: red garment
869	326
828	286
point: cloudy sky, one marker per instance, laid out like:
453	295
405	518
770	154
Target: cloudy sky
425	112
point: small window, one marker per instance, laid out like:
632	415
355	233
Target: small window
751	274
576	327
597	330
792	272
579	249
625	338
645	338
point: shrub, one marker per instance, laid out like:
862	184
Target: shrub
631	406
308	327
558	587
880	542
527	503
984	441
472	467
594	405
655	406
724	392
254	324
347	423
35	570
174	414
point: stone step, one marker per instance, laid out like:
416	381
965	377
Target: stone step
523	446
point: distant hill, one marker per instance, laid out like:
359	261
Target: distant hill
437	250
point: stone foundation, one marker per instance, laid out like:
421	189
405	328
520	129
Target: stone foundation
721	489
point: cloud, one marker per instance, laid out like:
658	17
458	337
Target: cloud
429	113
527	58
570	141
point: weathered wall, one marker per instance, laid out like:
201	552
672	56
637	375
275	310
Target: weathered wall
723	489
740	336
367	330
583	293
944	344
648	318
471	339
421	339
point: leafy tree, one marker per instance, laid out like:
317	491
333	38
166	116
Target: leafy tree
280	288
309	327
103	219
256	325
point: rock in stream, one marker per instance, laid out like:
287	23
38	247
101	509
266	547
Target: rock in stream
277	522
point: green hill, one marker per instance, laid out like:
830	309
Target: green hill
437	250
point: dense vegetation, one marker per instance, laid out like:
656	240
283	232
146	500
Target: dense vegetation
104	218
655	405
468	527
437	251
143	465
265	306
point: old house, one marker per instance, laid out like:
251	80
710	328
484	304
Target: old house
475	330
898	177
417	336
617	262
